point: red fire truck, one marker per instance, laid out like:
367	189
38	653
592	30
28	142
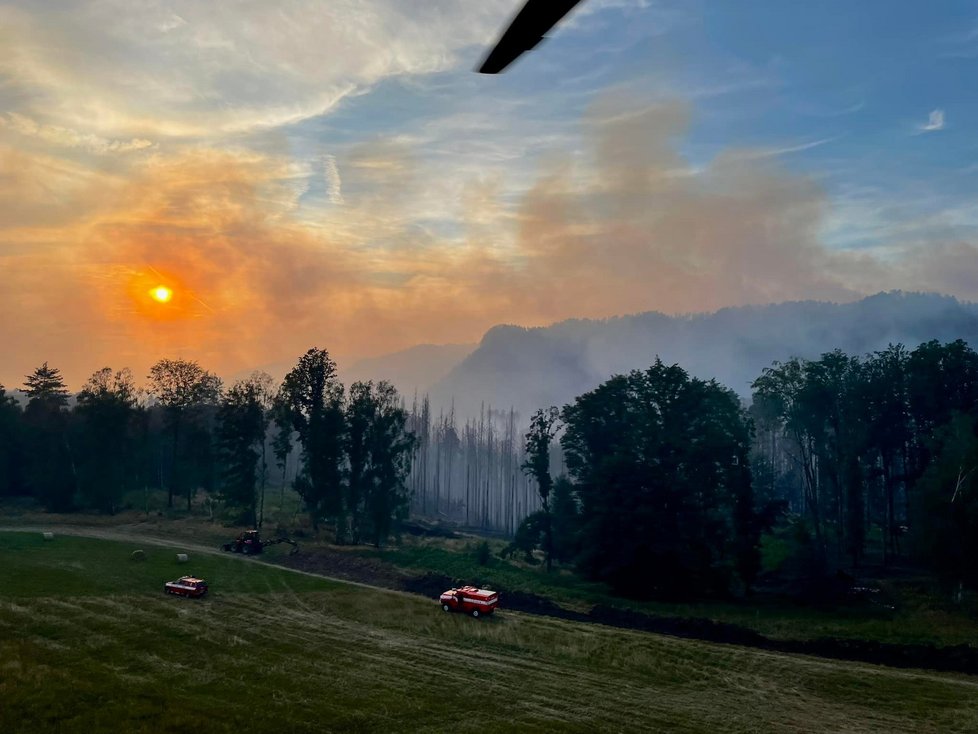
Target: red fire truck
470	600
186	586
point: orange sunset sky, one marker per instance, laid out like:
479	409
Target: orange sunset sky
300	174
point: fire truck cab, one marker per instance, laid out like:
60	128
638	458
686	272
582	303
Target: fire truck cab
470	600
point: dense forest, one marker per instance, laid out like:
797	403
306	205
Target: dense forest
185	434
655	481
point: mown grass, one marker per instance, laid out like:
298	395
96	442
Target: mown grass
916	618
76	566
305	658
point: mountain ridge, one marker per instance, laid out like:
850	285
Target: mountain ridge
530	367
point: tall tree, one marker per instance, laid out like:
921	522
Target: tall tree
543	427
263	387
51	475
390	445
781	392
186	391
941	379
106	411
565	520
945	534
884	403
281	416
361	410
831	396
11	448
241	431
314	397
660	461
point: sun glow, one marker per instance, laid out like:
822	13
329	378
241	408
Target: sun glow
161	293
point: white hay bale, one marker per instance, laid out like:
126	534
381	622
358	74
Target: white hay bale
138	555
182	558
48	536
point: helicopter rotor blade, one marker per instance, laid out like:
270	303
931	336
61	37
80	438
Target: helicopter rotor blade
525	32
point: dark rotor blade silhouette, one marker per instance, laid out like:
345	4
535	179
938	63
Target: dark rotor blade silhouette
526	30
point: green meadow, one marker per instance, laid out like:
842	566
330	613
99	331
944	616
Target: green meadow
89	643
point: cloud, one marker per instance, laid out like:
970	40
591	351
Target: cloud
786	149
334	185
935	122
619	222
150	69
66	138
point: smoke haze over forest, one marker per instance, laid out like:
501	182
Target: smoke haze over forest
531	368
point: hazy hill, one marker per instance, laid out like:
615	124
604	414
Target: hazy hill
533	367
417	368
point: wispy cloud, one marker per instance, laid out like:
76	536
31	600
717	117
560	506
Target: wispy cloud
191	69
67	138
785	150
935	122
334	185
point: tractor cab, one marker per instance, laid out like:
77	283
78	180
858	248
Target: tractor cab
248	542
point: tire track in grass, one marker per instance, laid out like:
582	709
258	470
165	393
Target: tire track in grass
532	685
640	678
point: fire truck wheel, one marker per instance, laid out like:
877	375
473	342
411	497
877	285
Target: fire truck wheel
475	613
446	607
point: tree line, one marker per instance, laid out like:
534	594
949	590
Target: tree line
671	481
654	481
184	432
880	448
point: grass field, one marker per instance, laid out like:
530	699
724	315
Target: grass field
88	642
917	618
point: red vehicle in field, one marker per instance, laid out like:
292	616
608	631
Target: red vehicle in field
186	586
470	600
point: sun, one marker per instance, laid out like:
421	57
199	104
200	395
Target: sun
161	293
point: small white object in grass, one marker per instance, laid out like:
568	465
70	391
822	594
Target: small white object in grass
182	558
48	536
138	555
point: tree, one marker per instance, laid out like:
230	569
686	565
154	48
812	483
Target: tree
884	402
543	427
945	534
314	398
106	410
281	417
528	537
261	383
360	415
660	463
390	448
565	522
11	449
46	386
186	391
941	379
241	430
51	475
780	392
831	397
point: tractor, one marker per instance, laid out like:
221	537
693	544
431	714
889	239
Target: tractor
250	543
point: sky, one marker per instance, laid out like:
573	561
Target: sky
333	173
